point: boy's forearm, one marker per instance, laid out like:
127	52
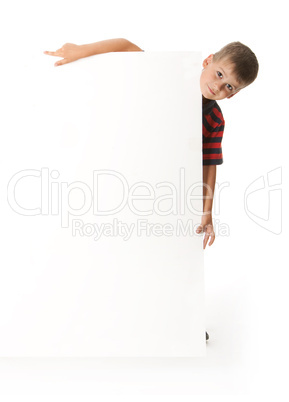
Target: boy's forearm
109	45
209	180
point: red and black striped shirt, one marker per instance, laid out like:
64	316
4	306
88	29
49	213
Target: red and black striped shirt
213	128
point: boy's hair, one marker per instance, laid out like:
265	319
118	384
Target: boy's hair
245	62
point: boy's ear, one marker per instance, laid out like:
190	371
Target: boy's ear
208	60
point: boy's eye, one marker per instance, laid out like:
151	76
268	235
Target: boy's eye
228	85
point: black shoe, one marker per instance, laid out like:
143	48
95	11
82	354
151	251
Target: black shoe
207	336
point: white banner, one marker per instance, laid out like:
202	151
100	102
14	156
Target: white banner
101	192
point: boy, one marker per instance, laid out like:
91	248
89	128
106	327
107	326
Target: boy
224	74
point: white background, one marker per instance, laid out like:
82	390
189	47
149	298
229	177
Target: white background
245	272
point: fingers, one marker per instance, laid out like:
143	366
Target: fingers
61	62
58	52
212	239
69	52
49	53
206	239
209	234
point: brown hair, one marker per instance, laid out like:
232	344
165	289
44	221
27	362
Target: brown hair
245	62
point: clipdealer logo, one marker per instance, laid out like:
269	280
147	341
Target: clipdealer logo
265	192
107	195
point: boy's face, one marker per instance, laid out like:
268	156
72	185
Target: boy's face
218	79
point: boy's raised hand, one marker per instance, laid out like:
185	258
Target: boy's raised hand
69	51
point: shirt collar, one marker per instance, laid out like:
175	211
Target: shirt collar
208	106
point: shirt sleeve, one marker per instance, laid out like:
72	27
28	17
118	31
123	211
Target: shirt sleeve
213	129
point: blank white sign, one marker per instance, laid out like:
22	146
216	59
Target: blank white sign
101	169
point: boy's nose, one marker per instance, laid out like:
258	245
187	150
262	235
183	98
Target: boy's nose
216	88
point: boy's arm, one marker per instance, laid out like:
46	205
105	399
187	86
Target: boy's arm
71	52
209	180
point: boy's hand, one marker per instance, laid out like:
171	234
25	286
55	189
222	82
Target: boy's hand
70	52
207	228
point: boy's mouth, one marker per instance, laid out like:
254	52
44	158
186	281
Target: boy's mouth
213	93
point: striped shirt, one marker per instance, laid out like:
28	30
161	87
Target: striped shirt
213	128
